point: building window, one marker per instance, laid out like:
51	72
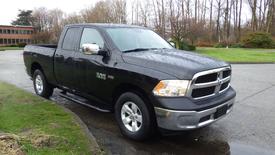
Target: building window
1	31
1	41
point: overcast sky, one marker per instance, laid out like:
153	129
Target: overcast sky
9	8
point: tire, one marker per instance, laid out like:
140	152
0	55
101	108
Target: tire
41	86
139	124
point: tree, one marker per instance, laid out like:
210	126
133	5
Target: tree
253	6
159	15
239	21
106	11
192	21
119	11
218	25
23	18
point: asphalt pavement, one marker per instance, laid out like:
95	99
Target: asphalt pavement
248	130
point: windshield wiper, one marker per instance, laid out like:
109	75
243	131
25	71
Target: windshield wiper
138	50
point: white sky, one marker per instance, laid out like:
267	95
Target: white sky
9	8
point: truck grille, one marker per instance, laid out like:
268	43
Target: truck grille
210	83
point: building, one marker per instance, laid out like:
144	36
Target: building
13	35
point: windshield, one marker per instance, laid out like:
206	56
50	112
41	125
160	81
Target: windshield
131	39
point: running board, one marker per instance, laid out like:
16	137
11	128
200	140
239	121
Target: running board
81	101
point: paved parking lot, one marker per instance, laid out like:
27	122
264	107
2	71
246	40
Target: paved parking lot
249	129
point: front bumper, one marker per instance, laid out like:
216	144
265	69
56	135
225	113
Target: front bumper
187	120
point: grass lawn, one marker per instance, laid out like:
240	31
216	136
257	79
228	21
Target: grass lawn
39	126
241	55
10	48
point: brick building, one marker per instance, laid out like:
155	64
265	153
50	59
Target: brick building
13	35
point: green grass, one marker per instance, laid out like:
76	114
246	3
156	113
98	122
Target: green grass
240	55
10	48
30	117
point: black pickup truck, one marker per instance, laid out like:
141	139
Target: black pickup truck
133	72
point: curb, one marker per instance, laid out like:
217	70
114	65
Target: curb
251	63
94	147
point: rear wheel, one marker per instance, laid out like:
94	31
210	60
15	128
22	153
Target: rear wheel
134	117
41	86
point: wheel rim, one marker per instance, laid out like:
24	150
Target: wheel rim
131	116
39	84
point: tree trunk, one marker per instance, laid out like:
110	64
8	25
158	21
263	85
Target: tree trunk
240	20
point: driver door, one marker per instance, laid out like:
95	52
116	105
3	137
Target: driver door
88	66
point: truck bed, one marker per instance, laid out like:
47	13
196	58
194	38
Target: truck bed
43	55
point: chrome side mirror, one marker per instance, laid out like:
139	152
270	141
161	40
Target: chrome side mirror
90	49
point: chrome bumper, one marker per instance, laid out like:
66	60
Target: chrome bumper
187	120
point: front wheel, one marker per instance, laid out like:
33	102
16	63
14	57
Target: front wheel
41	86
134	117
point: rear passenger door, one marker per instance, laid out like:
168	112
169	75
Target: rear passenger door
64	58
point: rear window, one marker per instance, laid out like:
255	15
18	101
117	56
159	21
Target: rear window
70	40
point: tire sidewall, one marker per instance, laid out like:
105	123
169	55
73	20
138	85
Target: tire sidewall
35	74
145	129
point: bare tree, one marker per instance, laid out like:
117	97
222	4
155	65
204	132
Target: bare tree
118	9
145	13
253	6
193	21
239	21
160	14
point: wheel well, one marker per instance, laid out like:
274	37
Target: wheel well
34	67
123	88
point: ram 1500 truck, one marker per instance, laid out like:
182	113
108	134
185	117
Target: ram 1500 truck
133	72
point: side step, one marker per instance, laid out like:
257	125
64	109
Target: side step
82	101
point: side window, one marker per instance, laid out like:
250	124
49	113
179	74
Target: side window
91	36
70	40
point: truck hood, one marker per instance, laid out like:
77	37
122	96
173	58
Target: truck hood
181	64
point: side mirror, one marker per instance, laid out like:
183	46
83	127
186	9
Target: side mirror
173	44
90	49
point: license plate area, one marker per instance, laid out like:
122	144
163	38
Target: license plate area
221	111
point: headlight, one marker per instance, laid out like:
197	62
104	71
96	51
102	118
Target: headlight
171	88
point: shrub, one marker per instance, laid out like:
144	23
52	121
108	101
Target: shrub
21	44
204	44
258	40
12	46
219	45
182	45
237	45
191	47
187	47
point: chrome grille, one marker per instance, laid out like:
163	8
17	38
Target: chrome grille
209	83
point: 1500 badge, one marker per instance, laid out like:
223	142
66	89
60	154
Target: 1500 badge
103	76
